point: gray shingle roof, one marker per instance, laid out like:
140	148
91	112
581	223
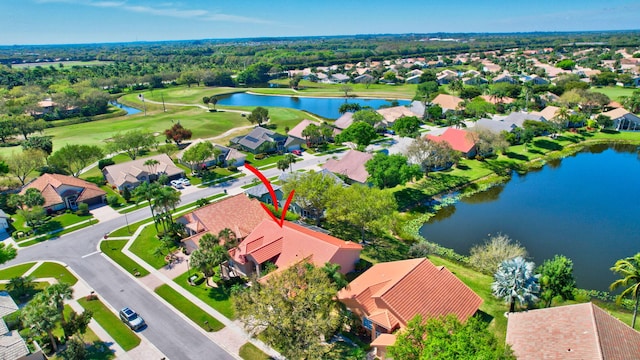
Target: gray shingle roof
7	305
12	346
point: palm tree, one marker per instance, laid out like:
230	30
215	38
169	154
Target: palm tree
166	200
41	317
629	270
213	101
291	159
335	276
515	279
282	164
228	237
21	286
148	191
152	165
57	294
562	115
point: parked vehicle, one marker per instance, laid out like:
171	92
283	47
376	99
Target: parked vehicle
297	152
131	318
185	181
177	184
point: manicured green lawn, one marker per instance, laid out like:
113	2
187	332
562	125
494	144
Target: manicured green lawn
187	95
54	270
56	222
15	271
145	244
218	298
113	249
196	314
249	351
120	332
614	92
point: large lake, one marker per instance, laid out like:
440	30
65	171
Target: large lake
586	207
325	107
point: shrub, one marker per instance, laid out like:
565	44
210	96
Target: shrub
113	201
495	250
83	209
422	249
105	162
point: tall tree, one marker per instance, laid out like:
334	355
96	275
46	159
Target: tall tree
131	142
152	165
41	317
446	338
313	191
177	133
258	115
387	171
629	270
39	142
363	207
431	155
407	126
198	153
23	163
27	125
57	294
209	255
7	252
32	197
515	280
75	157
7	128
359	132
556	279
295	310
148	191
166	200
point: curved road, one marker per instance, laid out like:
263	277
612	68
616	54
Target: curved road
173	336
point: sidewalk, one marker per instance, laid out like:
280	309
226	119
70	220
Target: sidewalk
230	338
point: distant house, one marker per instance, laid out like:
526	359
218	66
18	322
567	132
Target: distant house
351	165
447	102
494	100
494	126
296	139
459	140
580	331
415	79
364	79
504	78
289	245
261	193
392	114
417	108
388	295
534	79
260	140
519	117
238	213
132	173
549	112
296	207
227	157
339	78
344	121
446	76
476	80
623	119
65	192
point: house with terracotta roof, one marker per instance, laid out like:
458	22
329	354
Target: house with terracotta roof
65	192
344	121
549	112
131	173
238	213
459	140
388	295
580	331
351	165
447	102
288	245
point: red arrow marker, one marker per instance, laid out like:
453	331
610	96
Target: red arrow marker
272	193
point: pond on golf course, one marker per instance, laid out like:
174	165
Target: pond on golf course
586	207
324	107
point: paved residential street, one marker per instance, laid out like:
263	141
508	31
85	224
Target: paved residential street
173	336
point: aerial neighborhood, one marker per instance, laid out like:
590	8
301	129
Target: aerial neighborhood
275	205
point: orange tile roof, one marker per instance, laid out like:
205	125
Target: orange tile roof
458	139
292	243
238	213
616	113
581	331
407	288
494	100
394	113
49	185
298	129
447	101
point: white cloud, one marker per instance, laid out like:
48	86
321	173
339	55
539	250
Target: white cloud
167	9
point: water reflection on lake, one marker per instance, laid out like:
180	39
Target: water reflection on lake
585	207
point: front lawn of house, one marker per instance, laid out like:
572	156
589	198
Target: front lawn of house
218	298
15	271
110	322
113	249
193	312
55	270
249	351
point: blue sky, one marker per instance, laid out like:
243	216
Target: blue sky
88	21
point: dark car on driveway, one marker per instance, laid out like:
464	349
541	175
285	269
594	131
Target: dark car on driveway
131	318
